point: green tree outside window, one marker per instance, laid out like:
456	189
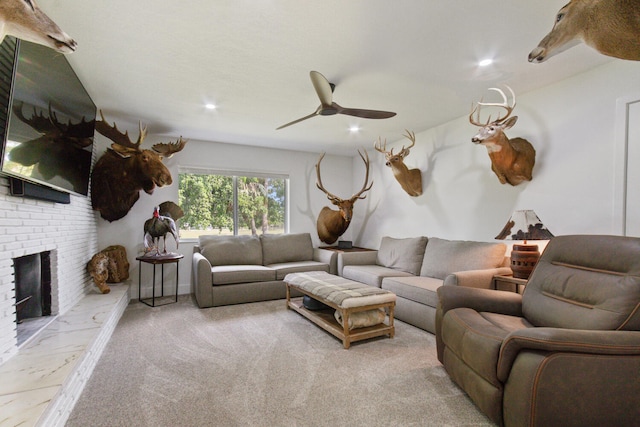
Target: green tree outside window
209	208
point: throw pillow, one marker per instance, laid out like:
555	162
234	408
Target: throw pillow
277	248
443	257
402	254
231	250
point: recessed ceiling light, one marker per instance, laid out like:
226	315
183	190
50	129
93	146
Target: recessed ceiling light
485	62
210	106
354	128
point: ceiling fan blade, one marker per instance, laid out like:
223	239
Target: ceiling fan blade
322	87
315	113
365	114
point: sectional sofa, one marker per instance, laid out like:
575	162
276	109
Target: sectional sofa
239	269
414	268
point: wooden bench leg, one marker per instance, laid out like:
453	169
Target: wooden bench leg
288	295
346	341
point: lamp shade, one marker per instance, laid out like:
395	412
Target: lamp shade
524	225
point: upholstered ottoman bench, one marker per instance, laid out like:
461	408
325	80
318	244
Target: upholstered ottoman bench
359	311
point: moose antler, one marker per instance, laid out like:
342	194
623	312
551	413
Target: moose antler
51	128
504	104
37	121
114	134
168	149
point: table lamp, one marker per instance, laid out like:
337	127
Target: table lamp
524	225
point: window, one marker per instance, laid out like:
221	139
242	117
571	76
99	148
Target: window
232	204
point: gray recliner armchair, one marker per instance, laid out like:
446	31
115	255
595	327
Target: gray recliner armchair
566	352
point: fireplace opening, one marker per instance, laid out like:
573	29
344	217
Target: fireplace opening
32	293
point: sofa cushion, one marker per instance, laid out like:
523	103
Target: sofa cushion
586	282
231	250
298	267
422	290
371	275
443	257
278	248
231	274
402	254
476	338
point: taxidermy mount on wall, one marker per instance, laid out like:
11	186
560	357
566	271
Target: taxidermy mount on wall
332	224
512	159
162	222
24	19
125	169
410	179
612	27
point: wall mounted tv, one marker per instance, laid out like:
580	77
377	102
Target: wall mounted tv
46	116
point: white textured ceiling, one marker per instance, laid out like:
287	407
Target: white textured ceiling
160	61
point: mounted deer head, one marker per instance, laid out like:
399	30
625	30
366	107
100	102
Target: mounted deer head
512	160
125	169
332	224
410	179
612	27
24	19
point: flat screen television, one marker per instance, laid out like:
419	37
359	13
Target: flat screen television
47	118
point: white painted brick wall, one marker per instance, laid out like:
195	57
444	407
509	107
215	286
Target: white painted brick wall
30	226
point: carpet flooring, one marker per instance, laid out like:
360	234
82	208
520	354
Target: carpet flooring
261	364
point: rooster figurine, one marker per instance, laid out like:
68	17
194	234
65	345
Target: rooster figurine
161	224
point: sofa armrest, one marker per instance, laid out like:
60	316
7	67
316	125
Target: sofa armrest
327	257
489	300
450	297
476	278
559	340
201	280
356	258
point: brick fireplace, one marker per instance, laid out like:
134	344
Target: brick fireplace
27	226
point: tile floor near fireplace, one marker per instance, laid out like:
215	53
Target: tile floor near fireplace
42	382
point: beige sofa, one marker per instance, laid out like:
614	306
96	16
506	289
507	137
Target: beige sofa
239	269
414	268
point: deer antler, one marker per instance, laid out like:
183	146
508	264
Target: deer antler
114	134
364	188
411	136
319	184
382	148
504	104
168	149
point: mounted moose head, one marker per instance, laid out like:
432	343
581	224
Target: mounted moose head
25	20
332	224
612	27
125	169
410	179
61	149
512	160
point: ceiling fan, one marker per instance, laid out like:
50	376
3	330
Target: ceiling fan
327	107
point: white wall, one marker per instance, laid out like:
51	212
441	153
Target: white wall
572	127
306	200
